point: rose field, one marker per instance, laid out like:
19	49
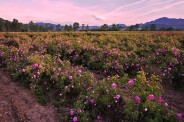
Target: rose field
100	76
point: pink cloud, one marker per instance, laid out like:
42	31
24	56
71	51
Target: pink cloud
67	12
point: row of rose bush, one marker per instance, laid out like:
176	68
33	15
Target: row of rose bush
113	98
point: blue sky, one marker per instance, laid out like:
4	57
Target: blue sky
92	12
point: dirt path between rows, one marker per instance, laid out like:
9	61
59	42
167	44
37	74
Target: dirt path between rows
174	99
17	104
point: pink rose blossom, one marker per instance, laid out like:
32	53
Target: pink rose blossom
117	97
57	74
40	66
131	82
98	117
160	100
151	97
166	104
23	70
114	85
71	112
75	119
35	66
70	77
92	101
59	69
137	99
38	73
79	71
66	87
179	116
34	76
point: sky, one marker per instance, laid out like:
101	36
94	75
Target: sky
92	12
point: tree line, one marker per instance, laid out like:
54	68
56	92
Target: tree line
16	26
152	27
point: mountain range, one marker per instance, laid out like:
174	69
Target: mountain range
167	22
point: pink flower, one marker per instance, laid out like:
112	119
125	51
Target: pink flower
70	77
79	71
57	74
114	85
71	112
131	82
23	70
151	97
66	87
137	99
166	105
145	109
54	69
59	69
75	119
79	111
35	66
117	97
179	116
92	101
98	117
40	66
38	73
107	91
34	76
59	61
160	100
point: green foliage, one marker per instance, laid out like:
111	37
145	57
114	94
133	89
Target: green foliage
52	66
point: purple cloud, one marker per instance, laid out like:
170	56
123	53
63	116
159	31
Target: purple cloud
92	12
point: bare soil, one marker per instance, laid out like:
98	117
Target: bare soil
18	104
175	99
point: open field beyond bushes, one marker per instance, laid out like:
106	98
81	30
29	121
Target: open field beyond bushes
99	76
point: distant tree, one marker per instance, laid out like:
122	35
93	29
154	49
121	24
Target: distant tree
15	25
83	26
114	27
20	27
170	29
104	27
46	27
87	27
131	28
162	29
41	29
2	26
70	28
75	26
144	28
58	27
51	28
31	26
66	28
153	27
136	27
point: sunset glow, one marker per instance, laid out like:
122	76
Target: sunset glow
92	12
